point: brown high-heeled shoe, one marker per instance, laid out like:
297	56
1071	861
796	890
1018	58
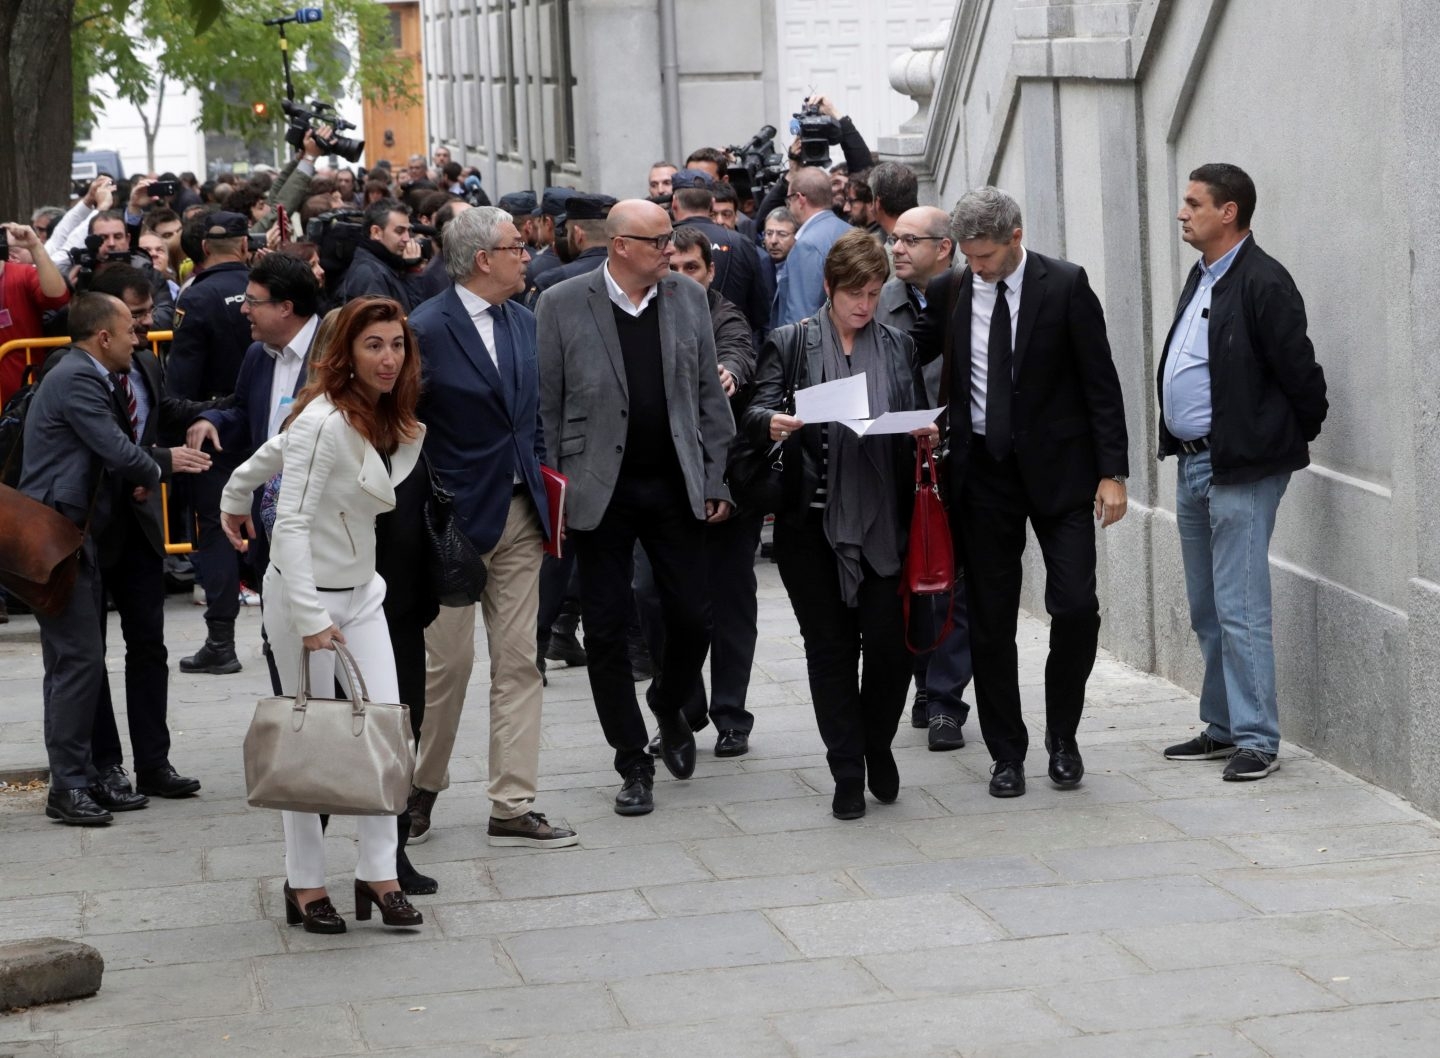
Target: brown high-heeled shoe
395	910
318	916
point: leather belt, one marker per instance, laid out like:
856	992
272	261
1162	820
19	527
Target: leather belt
1200	444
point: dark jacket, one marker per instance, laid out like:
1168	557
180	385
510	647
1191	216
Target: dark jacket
1267	392
1067	414
375	271
589	260
802	474
211	334
738	275
734	350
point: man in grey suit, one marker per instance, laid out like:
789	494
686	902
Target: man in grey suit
802	288
81	458
635	416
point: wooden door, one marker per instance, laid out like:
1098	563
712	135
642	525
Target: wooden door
396	132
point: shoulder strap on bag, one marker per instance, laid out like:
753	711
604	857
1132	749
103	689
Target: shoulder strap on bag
792	369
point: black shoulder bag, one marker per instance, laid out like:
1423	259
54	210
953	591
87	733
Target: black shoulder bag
456	570
756	473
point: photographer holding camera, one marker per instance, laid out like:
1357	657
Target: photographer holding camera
818	126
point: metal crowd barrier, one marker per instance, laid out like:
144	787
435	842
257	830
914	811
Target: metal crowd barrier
30	346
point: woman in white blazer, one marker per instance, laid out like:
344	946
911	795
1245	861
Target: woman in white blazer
351	439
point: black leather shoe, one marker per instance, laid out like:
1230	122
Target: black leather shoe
882	775
849	799
1066	767
76	808
732	744
165	782
113	791
677	745
654	746
945	733
636	797
318	916
215	658
1007	778
566	647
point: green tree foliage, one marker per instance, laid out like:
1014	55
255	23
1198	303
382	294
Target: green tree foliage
221	49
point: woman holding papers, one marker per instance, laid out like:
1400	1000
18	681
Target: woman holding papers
840	530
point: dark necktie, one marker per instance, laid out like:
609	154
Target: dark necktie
127	398
997	383
504	352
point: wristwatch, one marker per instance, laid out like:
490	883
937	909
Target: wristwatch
1118	477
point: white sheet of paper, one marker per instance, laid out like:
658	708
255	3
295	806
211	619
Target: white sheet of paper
845	398
894	422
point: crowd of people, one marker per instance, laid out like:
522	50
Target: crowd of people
316	394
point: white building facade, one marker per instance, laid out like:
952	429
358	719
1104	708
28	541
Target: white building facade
1093	112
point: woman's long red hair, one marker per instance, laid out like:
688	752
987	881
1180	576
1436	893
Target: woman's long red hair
388	421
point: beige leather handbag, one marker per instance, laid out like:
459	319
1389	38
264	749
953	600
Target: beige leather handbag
327	755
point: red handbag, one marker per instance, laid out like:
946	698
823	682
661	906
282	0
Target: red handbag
930	556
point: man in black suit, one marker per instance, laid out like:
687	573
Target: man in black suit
82	459
1037	433
132	569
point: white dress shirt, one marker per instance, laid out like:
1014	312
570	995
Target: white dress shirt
619	297
289	365
982	309
478	309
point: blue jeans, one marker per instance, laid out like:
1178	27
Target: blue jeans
1225	541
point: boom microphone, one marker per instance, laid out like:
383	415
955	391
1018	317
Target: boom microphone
304	15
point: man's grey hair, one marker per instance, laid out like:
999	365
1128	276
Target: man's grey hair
985	213
471	231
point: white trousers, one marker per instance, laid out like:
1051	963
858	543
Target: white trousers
357	613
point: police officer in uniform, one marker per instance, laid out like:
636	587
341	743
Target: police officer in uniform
585	230
549	222
211	336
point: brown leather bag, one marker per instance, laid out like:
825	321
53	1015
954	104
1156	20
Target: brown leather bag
39	552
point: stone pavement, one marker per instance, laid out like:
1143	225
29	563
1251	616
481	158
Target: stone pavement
1155	912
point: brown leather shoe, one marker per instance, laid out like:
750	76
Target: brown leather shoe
421	804
318	916
533	830
395	910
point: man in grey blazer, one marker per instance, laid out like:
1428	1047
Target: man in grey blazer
82	459
635	416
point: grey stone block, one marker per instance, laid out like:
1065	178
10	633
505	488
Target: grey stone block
864	927
97	872
357	974
1295	848
47	970
1414	922
670	824
1204	996
955	876
233	940
746	894
299	1033
171	907
1148	859
1018	832
1267	810
29	917
705	995
1028	963
1377	976
809	850
144	996
635	949
1109	905
1339	885
1191	1041
1279	938
1385	1030
932	1026
593	871
499	917
748	1036
472	1017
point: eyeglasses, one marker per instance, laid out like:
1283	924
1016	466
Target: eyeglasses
911	240
657	241
253	301
517	249
792	194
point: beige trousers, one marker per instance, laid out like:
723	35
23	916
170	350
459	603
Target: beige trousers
510	607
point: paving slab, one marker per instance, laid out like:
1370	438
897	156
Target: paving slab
741	918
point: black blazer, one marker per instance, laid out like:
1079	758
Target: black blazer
1067	412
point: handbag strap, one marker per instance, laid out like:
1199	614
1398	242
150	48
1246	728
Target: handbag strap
359	693
925	464
792	369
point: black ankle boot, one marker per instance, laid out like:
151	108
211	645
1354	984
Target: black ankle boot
217	656
412	882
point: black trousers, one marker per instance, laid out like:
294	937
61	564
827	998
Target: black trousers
857	707
407	639
993	510
656	512
136	582
218	565
74	655
559	584
730	557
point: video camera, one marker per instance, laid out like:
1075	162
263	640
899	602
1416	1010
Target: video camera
302	121
89	258
337	233
760	164
818	133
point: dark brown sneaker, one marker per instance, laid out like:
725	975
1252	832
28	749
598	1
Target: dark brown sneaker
422	803
533	830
